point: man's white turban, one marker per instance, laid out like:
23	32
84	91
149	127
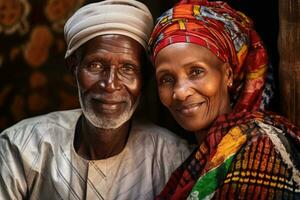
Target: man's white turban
123	17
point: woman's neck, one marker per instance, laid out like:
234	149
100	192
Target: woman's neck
201	135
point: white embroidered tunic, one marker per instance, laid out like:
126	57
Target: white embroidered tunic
38	161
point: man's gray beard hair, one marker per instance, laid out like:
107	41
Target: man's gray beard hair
105	123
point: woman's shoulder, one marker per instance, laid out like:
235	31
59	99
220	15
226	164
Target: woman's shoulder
268	131
258	123
271	152
267	137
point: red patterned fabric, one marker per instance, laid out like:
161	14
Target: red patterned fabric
227	33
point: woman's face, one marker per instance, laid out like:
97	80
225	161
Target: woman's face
193	84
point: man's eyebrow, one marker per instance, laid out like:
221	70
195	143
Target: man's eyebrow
94	56
133	61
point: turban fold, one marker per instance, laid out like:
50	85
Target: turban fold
227	33
123	17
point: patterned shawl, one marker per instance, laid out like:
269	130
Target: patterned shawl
231	162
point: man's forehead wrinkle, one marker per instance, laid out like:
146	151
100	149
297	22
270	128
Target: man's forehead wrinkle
125	48
117	50
114	44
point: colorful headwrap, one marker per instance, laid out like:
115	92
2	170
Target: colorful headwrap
124	17
228	34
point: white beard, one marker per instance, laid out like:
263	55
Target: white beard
102	122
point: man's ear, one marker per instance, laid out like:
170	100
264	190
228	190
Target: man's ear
71	63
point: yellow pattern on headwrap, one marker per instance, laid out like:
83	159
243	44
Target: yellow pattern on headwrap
196	10
181	25
242	53
257	73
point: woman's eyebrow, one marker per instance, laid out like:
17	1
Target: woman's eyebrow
161	70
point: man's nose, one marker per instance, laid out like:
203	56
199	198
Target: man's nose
110	81
182	90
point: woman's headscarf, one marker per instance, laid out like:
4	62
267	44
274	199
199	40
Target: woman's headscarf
227	33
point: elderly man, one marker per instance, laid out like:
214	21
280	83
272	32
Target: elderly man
98	151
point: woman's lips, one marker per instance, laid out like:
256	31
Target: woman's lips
189	109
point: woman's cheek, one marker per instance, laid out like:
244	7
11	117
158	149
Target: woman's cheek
165	96
207	88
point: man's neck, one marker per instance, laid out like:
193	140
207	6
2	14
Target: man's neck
94	143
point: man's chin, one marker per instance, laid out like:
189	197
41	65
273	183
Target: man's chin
108	125
107	122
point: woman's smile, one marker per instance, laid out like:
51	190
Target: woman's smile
189	109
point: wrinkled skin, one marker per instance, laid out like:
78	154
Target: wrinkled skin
108	75
193	84
109	80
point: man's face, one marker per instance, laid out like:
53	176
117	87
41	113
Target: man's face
109	79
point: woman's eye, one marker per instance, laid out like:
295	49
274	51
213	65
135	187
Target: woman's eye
166	80
196	72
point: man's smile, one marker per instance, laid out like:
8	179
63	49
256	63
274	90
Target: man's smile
107	106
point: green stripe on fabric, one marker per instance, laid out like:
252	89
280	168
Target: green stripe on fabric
208	183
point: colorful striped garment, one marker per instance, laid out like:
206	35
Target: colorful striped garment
248	153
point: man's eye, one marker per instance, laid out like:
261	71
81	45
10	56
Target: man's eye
95	66
128	68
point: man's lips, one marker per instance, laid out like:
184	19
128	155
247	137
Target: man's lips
189	108
105	101
109	106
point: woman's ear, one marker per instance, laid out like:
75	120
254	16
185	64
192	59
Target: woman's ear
229	75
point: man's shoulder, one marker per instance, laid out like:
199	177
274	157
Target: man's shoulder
43	123
164	148
150	130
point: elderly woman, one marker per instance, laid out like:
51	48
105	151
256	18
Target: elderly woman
212	74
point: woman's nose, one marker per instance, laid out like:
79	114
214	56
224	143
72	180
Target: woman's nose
110	81
182	90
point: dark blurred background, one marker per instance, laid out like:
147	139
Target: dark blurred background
34	80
